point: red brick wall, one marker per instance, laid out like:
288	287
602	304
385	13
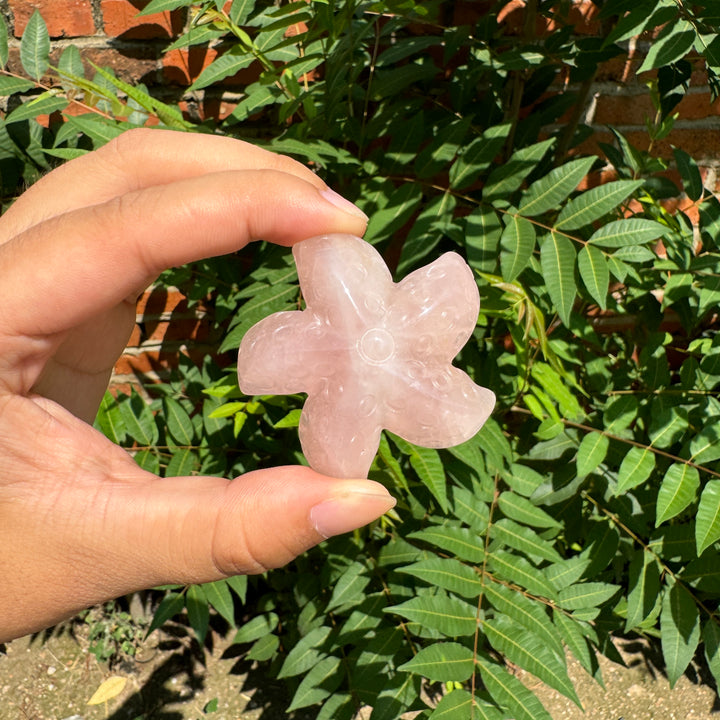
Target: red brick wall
109	33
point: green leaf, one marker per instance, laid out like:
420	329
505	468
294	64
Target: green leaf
508	690
707	521
139	420
264	648
522	538
463	543
442	662
567	572
678	489
239	585
178	422
595	273
633	231
198	611
551	189
109	421
528	613
594	204
518	243
592	451
458	705
317	684
669	47
442	148
339	706
557	259
529	652
219	596
469	509
711	640
350	587
690	174
447	615
35	47
643	588
519	571
182	463
4	50
679	630
305	654
172	604
477	156
156	6
224	66
70	63
482	235
259	626
447	573
523	479
397	695
578	644
635	469
44	104
586	595
240	11
400	206
506	178
523	511
11	85
427	464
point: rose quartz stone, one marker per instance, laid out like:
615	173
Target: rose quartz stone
370	354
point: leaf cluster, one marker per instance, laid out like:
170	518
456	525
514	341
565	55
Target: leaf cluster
588	508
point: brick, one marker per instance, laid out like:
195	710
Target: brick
217	108
64	18
132	64
157	300
120	20
697	106
184	65
582	15
623	109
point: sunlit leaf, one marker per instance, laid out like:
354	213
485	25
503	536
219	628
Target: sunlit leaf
557	258
594	203
643	588
679	630
595	273
442	661
447	573
678	489
529	652
463	543
550	190
592	451
517	699
707	521
35	46
635	468
448	615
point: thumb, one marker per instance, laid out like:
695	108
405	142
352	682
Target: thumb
199	529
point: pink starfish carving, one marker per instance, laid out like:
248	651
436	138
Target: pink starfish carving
370	354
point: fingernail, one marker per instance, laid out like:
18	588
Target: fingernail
349	511
340	202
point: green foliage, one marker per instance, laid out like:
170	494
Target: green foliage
112	633
588	507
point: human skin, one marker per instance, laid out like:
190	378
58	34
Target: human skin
80	522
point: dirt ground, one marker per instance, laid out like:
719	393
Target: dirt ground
171	678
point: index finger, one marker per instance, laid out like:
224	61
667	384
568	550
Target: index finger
135	160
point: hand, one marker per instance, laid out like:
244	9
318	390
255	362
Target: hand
80	522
